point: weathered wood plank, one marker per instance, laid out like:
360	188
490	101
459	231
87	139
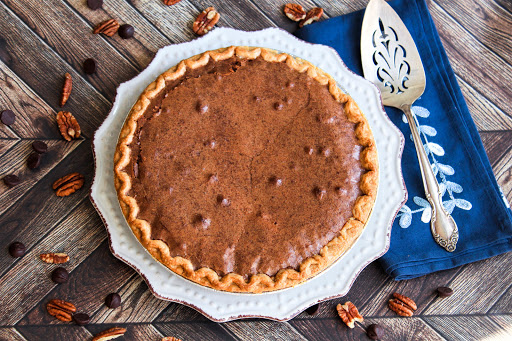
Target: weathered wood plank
486	115
476	288
505	322
504	304
78	235
336	8
43	70
503	171
179	312
240	15
55	333
175	22
113	68
139	305
496	144
207	331
473	61
34	117
421	290
395	329
36	213
489	24
5	145
263	330
96	276
138	50
11	334
465	327
367	284
15	162
506	4
136	332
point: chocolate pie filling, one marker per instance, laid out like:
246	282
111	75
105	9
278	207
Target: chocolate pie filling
245	166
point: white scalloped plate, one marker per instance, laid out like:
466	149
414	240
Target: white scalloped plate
280	305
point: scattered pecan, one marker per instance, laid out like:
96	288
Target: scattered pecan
205	21
349	314
402	305
171	2
109	334
61	310
170	338
108	28
66	89
294	12
54	258
68	184
68	126
314	14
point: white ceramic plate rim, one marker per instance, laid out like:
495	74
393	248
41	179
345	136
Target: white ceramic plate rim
283	304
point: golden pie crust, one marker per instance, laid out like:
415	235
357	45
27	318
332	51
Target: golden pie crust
234	282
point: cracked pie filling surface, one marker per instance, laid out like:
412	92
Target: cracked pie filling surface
246	170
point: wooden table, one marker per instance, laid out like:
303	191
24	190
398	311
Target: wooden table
42	40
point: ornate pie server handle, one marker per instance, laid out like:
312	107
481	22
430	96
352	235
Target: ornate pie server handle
443	227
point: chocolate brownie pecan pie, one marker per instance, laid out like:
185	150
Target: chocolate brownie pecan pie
246	170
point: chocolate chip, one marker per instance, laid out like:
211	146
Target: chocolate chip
34	160
275	181
313	309
126	31
212	178
113	300
278	106
375	331
60	275
39	147
290	84
309	150
89	66
223	201
81	319
444	292
319	192
11	180
94	4
256	99
201	107
325	152
17	249
7	117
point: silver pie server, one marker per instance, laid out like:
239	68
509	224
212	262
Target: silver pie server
391	61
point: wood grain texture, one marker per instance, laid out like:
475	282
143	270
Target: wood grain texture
470	296
43	72
465	327
40	41
55	333
207	331
34	117
139	305
11	334
101	270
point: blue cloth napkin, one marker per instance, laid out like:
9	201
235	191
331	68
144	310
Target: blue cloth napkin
471	193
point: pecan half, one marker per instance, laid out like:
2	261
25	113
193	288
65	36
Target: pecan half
68	126
109	334
402	305
68	184
66	89
314	14
294	12
205	21
171	2
349	314
54	258
61	309
108	28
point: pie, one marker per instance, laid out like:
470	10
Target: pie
246	170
